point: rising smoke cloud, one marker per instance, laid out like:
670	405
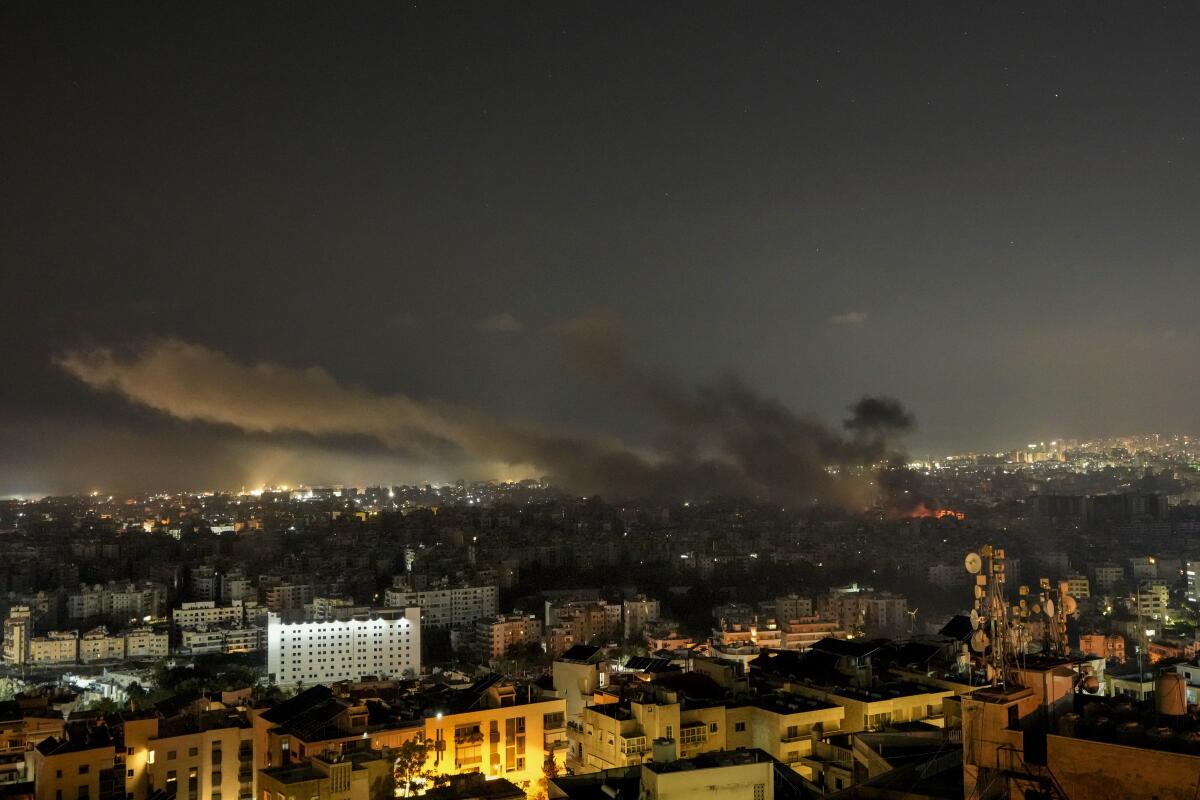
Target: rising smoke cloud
720	438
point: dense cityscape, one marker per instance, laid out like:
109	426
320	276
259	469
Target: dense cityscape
540	630
599	401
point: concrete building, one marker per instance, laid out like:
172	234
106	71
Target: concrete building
381	643
122	602
493	728
636	614
1078	586
56	647
80	765
207	612
623	733
736	775
1153	598
1107	576
445	607
146	643
99	645
288	597
198	753
1110	647
863	611
358	775
222	638
494	637
792	606
18	629
21	729
590	621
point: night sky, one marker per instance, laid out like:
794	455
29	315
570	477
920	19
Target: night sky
345	243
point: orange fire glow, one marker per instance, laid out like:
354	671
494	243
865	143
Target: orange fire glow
923	511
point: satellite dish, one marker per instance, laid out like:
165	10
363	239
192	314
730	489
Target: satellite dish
1069	605
973	563
974	620
979	641
1037	608
1049	607
1022	590
991	672
1091	684
1024	602
978	592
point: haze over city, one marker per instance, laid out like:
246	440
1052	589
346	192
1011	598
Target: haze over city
599	401
980	212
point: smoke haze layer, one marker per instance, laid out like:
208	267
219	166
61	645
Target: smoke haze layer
718	438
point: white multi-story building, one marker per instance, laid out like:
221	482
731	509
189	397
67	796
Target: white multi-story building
383	642
1078	586
206	612
122	601
447	608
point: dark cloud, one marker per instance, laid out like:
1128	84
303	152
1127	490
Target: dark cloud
879	416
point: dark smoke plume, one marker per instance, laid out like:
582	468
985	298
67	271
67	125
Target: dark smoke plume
717	439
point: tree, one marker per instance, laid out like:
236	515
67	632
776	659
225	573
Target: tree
410	764
549	773
104	705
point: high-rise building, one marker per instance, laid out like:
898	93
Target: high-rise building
383	642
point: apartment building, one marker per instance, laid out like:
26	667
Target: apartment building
636	614
445	607
623	733
493	728
197	754
355	775
207	612
82	764
18	630
496	636
381	642
222	638
119	601
99	645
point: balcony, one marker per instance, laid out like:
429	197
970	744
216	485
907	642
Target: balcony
634	747
800	737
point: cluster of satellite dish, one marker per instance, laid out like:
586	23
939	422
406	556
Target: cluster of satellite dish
989	620
999	631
